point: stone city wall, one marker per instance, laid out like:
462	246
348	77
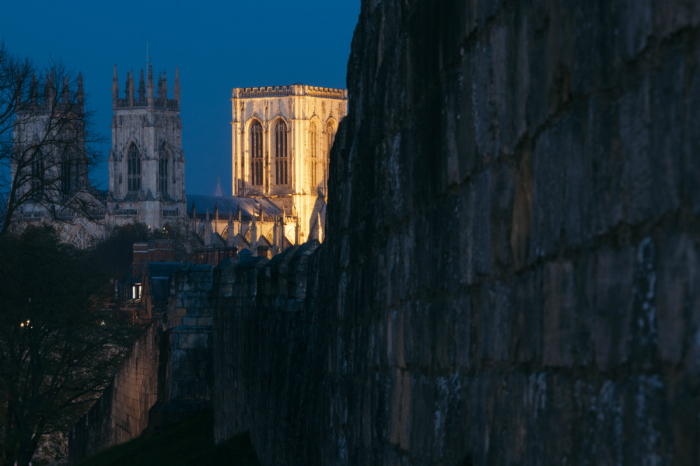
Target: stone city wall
121	413
167	375
263	364
510	272
511	258
511	267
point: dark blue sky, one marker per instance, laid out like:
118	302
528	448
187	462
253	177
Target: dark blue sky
218	45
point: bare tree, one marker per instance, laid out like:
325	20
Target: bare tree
60	343
47	143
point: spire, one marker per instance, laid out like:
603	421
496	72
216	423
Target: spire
47	89
81	91
229	240
126	86
176	89
164	89
296	232
65	94
115	88
159	92
207	230
240	220
274	237
149	94
216	217
142	89
131	89
33	91
254	235
194	217
218	191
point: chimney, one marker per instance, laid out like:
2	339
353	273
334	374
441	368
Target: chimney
140	258
162	250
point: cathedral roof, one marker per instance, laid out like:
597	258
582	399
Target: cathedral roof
225	204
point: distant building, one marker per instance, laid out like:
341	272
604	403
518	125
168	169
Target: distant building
281	145
281	139
146	161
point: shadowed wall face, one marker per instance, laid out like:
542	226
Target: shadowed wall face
510	269
511	265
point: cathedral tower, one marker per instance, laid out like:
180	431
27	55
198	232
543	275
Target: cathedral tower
281	141
146	162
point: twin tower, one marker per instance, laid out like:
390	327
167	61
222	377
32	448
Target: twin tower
146	162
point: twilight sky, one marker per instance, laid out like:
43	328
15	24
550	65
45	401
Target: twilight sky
217	45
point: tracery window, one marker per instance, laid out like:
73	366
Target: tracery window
281	152
66	175
256	151
313	139
81	238
134	171
330	136
37	180
163	170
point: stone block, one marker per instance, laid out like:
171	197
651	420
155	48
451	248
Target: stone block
559	314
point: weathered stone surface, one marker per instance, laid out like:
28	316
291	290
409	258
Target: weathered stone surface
510	270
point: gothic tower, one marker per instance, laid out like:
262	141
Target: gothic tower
146	162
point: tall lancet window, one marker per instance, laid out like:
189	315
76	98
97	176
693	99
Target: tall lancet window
66	169
37	180
330	136
163	170
134	172
281	152
256	153
313	140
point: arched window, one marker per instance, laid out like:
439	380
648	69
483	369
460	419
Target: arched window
66	169
134	162
163	169
256	152
313	139
330	136
37	180
281	152
81	238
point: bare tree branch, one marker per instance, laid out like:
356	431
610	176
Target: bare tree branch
47	144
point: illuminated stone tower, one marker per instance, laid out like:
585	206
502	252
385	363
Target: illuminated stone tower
281	138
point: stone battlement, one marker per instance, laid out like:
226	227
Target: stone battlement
295	89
